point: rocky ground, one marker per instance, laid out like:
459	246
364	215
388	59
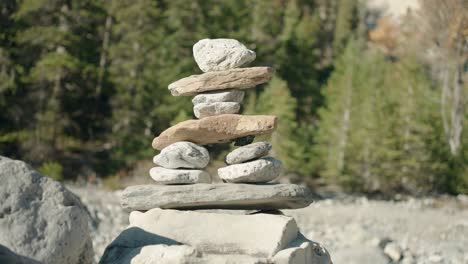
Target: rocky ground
353	229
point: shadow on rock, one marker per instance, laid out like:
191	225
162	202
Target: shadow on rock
127	243
10	257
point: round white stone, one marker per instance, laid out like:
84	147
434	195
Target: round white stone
171	176
221	54
257	171
212	109
183	154
220	96
248	152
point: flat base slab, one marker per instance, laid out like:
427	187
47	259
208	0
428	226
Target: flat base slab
216	196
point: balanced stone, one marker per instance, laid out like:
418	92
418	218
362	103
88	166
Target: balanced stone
223	96
216	129
216	196
257	171
171	176
248	152
221	54
220	233
242	78
212	109
183	155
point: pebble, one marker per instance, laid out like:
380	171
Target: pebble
257	171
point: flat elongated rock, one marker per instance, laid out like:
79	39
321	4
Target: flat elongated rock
212	109
216	129
220	233
222	96
221	54
183	155
177	176
242	78
248	152
216	196
257	171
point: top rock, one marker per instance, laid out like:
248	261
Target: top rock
221	54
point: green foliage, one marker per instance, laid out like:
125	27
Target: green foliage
346	23
277	100
383	143
52	170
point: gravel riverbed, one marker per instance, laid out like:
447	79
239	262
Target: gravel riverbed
354	229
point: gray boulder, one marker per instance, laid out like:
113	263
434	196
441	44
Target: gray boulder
221	54
172	176
219	96
212	109
248	152
39	218
183	154
257	171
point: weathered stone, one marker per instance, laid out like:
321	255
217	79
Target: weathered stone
242	78
248	152
183	155
163	254
216	129
303	251
216	196
39	218
257	171
202	230
221	54
213	109
222	96
137	246
290	256
130	239
393	251
177	176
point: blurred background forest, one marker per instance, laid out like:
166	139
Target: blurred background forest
366	102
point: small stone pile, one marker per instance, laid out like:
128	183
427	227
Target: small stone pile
184	218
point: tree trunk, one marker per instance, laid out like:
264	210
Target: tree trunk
103	56
346	119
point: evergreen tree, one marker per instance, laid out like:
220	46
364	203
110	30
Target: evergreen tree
277	100
53	69
346	23
132	55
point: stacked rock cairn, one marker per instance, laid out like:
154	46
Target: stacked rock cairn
184	217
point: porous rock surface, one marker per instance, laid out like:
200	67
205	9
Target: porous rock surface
257	171
212	109
219	96
221	54
183	155
40	219
177	176
248	152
